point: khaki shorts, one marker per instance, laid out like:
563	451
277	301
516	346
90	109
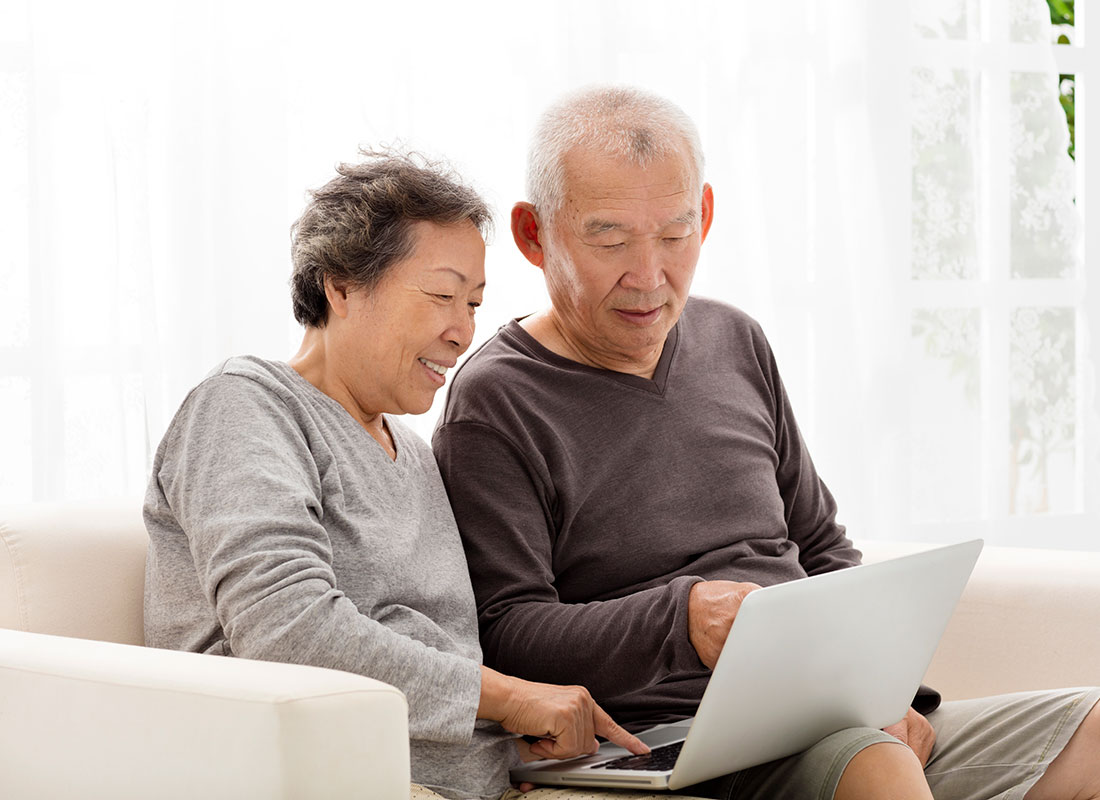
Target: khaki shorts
992	748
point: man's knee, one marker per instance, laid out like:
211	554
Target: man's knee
1076	770
883	771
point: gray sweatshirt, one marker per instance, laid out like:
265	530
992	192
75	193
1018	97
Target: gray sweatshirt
280	530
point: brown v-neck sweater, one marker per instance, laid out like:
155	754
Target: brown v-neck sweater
590	501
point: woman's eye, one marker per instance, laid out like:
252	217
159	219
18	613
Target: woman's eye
445	296
611	246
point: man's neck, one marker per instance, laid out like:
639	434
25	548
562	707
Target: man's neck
548	331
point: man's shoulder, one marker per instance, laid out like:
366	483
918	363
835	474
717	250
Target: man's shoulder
509	357
707	313
500	368
501	351
712	326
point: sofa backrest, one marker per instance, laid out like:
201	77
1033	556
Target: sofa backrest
1027	620
75	569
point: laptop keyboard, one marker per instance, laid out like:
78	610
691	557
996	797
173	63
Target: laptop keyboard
658	759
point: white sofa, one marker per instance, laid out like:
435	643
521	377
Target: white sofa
109	718
87	711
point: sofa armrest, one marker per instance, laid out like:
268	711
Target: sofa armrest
82	718
1027	620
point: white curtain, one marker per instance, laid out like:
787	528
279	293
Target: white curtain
924	291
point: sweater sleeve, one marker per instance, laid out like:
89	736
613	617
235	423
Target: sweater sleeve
503	509
809	507
237	474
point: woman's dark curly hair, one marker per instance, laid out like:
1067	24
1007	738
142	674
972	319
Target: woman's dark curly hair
359	225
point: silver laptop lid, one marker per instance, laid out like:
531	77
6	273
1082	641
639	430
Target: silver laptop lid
803	660
808	658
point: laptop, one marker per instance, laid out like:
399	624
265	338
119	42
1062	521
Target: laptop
803	660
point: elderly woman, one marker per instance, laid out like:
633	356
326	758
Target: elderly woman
292	518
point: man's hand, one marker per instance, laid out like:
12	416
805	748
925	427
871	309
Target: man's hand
917	732
712	607
565	718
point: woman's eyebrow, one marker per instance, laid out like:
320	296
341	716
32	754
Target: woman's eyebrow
457	274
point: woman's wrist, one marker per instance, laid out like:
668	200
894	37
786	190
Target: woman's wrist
497	695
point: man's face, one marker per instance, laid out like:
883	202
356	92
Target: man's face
620	254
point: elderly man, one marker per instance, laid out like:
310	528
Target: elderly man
625	466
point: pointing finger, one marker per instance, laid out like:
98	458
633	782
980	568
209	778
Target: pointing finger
611	730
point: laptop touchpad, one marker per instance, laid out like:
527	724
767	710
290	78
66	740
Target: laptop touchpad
665	734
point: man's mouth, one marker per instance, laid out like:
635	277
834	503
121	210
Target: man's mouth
639	316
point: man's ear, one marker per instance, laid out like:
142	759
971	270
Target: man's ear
708	210
337	295
525	230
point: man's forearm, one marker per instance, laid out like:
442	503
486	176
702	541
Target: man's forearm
611	647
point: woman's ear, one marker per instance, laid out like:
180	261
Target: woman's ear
337	294
525	231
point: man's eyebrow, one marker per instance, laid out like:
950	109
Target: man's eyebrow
595	226
457	274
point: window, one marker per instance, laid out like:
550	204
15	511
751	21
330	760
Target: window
900	192
71	384
17	392
999	309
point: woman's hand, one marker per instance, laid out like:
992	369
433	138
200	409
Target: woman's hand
565	718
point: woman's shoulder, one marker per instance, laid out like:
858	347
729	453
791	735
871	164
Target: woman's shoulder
242	393
248	380
272	375
239	413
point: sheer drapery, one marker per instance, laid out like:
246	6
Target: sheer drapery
895	203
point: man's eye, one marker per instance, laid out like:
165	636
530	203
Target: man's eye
615	246
445	296
475	305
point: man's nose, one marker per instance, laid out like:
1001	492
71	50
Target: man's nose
646	272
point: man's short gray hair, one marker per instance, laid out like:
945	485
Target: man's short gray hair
619	121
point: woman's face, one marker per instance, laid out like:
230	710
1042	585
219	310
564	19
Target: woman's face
402	335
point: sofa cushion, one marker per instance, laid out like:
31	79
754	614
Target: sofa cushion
74	569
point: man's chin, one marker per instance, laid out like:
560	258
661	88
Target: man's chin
638	345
